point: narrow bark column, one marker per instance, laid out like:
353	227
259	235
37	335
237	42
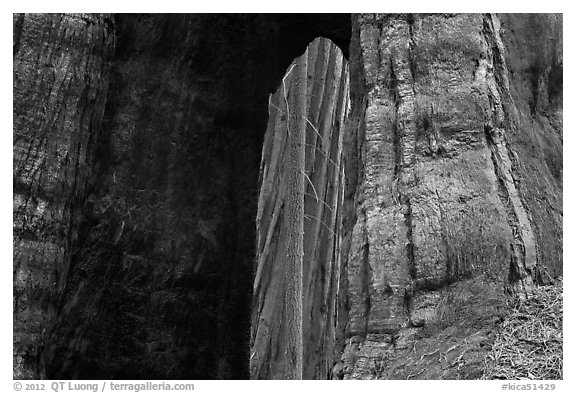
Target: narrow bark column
295	223
60	84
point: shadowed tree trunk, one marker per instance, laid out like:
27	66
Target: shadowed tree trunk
61	65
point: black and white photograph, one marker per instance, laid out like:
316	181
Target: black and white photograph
286	196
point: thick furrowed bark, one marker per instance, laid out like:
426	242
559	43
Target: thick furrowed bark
440	210
60	83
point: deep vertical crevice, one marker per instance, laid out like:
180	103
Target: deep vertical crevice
393	91
17	24
410	244
410	19
366	275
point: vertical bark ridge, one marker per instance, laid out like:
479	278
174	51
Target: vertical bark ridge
523	249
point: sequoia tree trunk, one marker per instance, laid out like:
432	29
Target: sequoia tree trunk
439	220
326	101
60	82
